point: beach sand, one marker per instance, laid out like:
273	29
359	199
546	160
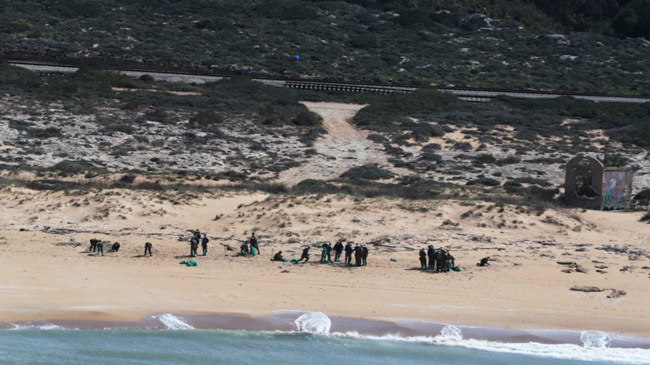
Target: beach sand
46	272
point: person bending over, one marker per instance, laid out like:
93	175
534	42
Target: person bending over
115	247
147	248
278	256
93	245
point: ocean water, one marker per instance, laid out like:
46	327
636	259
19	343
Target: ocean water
310	342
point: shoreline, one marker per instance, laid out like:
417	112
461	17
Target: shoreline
284	321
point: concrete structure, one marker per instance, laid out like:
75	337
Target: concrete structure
591	185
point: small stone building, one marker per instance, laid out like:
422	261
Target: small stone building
589	184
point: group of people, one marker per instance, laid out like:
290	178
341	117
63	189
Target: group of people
360	253
198	238
439	260
98	246
250	246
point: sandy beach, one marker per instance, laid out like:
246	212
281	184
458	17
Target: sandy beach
538	253
47	273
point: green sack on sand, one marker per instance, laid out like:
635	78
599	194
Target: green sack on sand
393	260
457	269
188	263
253	251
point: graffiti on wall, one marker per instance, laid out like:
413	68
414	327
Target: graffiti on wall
616	189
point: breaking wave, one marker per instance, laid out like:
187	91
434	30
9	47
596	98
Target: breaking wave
314	322
594	348
449	333
595	339
171	322
43	327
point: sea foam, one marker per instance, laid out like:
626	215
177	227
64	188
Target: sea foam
314	322
171	322
43	327
595	339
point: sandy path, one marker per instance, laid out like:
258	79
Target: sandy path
344	146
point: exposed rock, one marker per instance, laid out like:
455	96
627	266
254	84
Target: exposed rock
616	294
361	221
587	289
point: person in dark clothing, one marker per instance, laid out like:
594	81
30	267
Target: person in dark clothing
147	248
278	256
444	263
431	253
194	246
100	248
244	248
204	244
438	259
329	253
484	262
324	253
423	259
254	243
364	255
338	249
348	253
115	247
93	245
358	253
305	255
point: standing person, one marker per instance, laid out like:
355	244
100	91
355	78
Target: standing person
329	253
423	259
305	255
439	260
197	235
93	245
357	255
364	255
254	243
348	253
204	244
431	253
147	248
446	261
100	248
194	245
323	255
338	248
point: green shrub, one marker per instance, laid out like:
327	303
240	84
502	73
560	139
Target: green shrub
486	158
367	172
206	118
486	181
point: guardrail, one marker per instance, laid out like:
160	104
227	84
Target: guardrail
469	94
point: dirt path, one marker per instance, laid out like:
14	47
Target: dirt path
344	146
